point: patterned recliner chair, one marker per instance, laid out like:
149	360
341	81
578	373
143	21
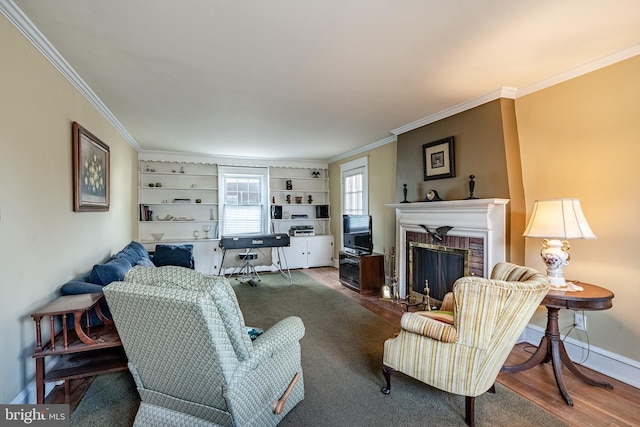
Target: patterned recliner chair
462	351
191	357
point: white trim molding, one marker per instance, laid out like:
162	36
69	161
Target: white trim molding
600	360
605	61
29	30
505	92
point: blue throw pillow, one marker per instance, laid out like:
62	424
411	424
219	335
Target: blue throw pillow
129	254
139	249
180	255
144	262
111	271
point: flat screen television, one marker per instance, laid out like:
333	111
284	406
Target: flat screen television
357	234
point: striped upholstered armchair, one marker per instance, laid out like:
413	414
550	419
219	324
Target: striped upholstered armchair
191	357
462	351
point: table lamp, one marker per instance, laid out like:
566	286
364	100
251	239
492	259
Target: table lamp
555	221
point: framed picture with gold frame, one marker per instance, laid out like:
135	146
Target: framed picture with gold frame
438	159
91	163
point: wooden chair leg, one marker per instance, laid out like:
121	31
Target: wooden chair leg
67	390
469	408
387	372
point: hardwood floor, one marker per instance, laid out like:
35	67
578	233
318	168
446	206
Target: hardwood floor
593	406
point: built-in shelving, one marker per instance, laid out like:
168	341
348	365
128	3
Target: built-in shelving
182	209
178	200
303	196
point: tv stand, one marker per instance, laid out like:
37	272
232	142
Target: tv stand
362	273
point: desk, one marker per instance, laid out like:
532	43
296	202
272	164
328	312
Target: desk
83	351
551	346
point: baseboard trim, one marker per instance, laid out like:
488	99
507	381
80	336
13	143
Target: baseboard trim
28	395
600	360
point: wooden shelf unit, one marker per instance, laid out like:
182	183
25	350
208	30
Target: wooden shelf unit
83	350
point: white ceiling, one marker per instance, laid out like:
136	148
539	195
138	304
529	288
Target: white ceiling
313	79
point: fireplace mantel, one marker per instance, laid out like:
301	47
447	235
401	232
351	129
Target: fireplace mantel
483	218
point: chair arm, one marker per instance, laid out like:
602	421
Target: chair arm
280	336
283	333
448	302
431	328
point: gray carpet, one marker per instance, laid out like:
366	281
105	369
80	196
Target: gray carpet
341	360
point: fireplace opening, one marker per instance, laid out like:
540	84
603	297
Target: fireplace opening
441	266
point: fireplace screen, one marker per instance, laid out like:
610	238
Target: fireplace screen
441	266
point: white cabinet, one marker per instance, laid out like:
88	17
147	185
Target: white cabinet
178	203
307	252
302	198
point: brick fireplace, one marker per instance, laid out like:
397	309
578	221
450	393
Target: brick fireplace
478	231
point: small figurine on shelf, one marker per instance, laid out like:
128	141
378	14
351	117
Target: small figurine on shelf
289	185
288	199
310	199
273	200
427	297
404	194
472	186
315	174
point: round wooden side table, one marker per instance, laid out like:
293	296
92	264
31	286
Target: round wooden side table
551	348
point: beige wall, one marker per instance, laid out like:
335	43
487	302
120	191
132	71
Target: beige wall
382	178
581	138
43	242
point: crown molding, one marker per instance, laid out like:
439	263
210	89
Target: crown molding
360	150
505	92
589	67
29	30
514	93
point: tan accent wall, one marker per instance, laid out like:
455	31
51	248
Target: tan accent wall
45	243
581	138
479	150
485	137
517	207
382	178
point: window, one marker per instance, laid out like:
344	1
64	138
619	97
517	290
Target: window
354	189
244	207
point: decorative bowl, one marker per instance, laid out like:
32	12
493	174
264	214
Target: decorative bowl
157	236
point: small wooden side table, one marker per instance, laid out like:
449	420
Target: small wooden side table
83	351
551	347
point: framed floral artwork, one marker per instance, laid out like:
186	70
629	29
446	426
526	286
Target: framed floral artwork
438	159
90	171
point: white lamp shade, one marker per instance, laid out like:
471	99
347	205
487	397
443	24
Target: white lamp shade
558	219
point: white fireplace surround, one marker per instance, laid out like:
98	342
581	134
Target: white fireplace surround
482	218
